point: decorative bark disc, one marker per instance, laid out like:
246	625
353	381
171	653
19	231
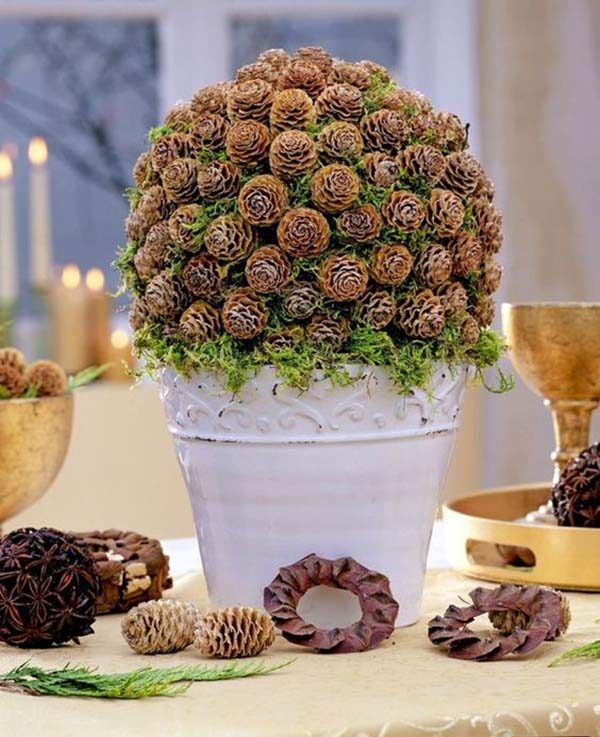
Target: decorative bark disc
378	606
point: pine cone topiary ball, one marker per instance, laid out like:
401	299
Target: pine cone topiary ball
576	495
237	632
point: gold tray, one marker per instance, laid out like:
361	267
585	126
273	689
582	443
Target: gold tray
475	525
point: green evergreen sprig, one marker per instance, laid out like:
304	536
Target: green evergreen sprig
590	651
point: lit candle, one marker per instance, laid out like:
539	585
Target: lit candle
39	215
119	352
99	313
8	247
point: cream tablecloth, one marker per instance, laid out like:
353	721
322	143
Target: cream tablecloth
406	687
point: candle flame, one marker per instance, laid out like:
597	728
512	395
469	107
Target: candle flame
119	339
71	276
6	167
94	280
37	151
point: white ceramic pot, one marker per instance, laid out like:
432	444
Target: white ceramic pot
275	474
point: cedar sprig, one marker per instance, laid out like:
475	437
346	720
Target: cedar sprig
590	651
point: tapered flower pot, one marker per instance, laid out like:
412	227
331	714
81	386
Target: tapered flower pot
275	474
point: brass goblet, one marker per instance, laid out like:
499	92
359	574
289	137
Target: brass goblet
34	438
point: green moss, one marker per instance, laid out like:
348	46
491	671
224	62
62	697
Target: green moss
299	191
158	132
378	88
130	280
133	195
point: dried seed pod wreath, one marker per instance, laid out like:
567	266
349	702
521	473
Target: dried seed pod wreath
326	175
378	606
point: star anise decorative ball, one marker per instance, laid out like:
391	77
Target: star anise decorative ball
576	496
49	585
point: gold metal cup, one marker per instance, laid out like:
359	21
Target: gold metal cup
34	438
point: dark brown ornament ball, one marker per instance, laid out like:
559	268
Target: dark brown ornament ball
49	586
576	496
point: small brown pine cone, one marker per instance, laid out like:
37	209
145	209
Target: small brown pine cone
323	330
316	55
375	69
408	102
449	133
466	253
492	275
463	173
302	75
433	266
454	298
228	238
262	200
179	117
211	99
13	358
421	316
47	378
167	149
423	161
202	276
134	226
208	132
376	308
143	174
380	169
138	313
12	371
179	180
340	101
292	109
484	311
250	100
391	264
237	632
384	130
162	626
165	297
244	315
145	264
303	232
301	300
340	141
248	142
277	58
334	188
403	210
489	221
360	225
469	331
152	208
284	338
181	227
157	241
217	180
267	270
485	188
200	323
446	212
343	278
292	153
347	72
258	70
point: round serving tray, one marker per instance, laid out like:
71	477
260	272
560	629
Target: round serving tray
476	525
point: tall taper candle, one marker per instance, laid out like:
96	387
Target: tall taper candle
8	246
39	215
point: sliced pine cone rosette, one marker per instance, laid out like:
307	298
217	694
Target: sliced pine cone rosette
208	131
247	142
361	224
268	270
302	75
202	277
340	141
341	102
303	232
262	200
391	264
292	109
334	188
403	210
228	238
218	180
292	154
250	100
343	278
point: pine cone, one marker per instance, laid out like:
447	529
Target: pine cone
421	316
466	253
217	180
449	133
352	73
485	188
143	174
138	313
250	100
162	626
134	226
262	200
492	275
576	496
463	173
340	141
165	297
376	308
292	153
303	232
157	241
433	265
291	109
258	70
244	315
301	300
375	69
284	338
334	188
211	99
12	358
179	180
268	270
179	117
202	276
323	330
237	632
454	298
152	208
200	323
384	130
340	101
145	264
181	227
410	103
302	75
343	277
360	225
277	58
423	161
12	371
484	311
469	331
228	238
381	169
208	132
446	212
315	55
403	210
489	221
167	149
391	264
248	142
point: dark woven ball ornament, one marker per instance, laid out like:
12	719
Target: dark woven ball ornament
379	608
576	496
49	585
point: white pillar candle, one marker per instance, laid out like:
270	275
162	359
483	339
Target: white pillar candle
8	246
39	215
